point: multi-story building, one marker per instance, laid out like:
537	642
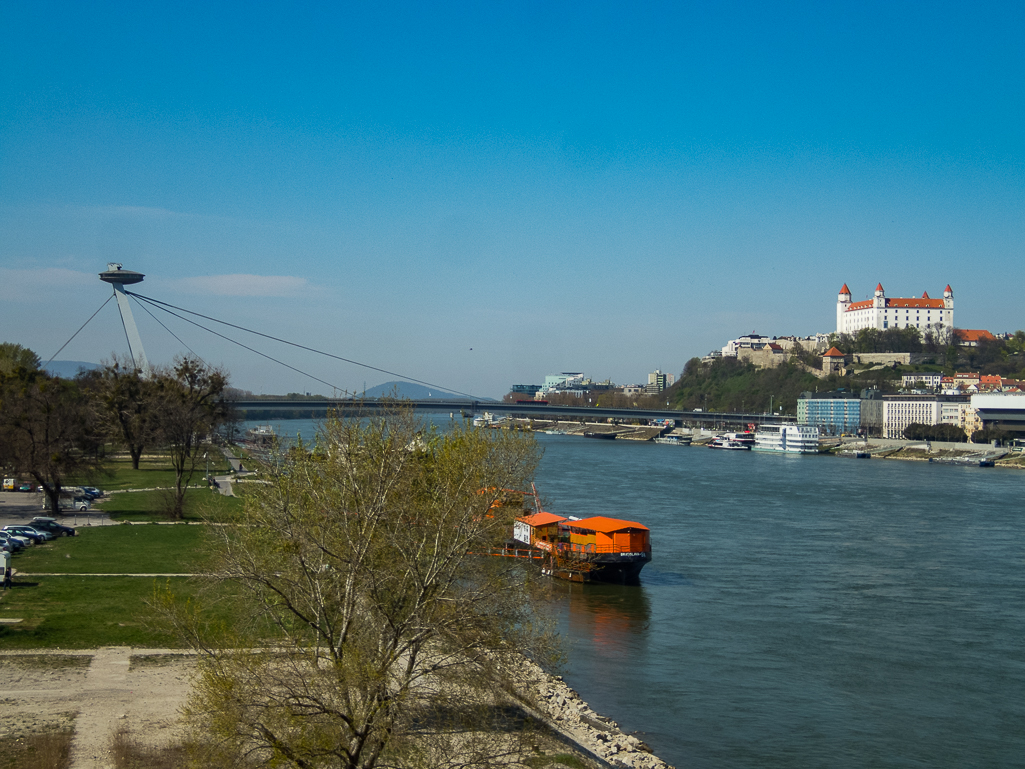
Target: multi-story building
899	411
526	390
841	412
882	313
657	382
932	381
1003	411
564	380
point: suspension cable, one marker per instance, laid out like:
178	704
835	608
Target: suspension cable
233	341
79	329
293	344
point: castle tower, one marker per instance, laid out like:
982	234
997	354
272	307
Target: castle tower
948	300
843	301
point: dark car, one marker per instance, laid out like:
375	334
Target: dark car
24	487
50	524
91	492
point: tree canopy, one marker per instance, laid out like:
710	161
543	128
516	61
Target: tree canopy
363	567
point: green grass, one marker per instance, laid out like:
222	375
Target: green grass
154	471
200	505
125	549
76	612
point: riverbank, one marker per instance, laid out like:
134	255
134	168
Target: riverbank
596	736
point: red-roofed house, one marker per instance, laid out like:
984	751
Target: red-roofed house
970	337
882	313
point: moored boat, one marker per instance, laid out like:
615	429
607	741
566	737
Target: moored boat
789	439
596	549
673	440
728	444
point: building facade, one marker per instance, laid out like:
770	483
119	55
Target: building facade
657	382
841	412
882	313
899	411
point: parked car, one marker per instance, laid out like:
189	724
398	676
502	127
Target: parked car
50	524
91	492
76	503
13	543
36	535
24	487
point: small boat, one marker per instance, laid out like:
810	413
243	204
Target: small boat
673	440
600	436
987	463
728	444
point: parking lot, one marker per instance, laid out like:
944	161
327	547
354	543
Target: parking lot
19	507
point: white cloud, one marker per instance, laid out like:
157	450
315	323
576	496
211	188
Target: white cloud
243	285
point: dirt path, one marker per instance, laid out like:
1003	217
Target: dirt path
98	691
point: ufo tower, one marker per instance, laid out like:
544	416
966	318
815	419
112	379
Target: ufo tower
119	278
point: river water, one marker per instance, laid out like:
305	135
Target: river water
800	610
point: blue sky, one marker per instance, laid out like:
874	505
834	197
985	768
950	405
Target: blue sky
479	194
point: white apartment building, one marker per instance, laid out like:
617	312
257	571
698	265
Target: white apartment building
564	380
929	380
899	411
882	313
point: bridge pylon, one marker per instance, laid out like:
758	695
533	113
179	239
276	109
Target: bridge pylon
120	278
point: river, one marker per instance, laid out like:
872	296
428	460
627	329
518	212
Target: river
800	610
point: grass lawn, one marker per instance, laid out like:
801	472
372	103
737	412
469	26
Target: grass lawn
154	471
200	505
125	549
74	611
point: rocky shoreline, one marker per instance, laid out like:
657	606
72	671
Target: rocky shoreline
568	715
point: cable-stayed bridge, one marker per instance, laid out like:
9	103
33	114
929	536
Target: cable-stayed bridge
118	277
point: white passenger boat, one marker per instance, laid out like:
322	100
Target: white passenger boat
673	440
722	442
790	439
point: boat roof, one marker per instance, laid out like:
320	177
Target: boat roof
541	519
606	525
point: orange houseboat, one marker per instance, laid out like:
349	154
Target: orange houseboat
594	549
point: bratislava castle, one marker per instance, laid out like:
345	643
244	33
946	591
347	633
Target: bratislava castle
880	312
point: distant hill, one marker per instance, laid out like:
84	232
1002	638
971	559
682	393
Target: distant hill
68	368
412	391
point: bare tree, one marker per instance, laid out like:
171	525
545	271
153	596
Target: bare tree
191	405
363	574
128	405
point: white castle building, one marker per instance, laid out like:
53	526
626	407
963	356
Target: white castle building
880	312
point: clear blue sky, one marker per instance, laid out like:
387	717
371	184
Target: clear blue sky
478	194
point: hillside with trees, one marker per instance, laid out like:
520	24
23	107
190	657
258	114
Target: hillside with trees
730	384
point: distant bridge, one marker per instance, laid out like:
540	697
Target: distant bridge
347	406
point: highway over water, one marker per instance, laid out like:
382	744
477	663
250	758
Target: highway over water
344	406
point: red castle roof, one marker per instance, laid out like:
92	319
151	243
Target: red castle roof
845	290
832	352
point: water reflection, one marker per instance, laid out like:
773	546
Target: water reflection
613	618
